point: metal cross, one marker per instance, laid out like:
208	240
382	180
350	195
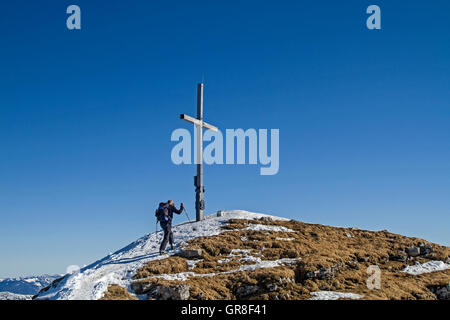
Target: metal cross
198	179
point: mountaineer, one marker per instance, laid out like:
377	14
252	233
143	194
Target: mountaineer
164	215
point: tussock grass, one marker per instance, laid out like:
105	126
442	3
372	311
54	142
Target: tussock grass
156	267
116	292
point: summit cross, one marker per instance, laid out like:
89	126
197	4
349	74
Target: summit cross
198	179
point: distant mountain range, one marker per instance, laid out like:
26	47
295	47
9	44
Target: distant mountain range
13	296
24	288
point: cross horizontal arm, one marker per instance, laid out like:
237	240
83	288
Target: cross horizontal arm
187	118
197	122
210	127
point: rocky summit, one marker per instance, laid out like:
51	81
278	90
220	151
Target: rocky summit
244	255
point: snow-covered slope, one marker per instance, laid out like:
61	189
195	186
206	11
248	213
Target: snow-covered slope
92	281
26	285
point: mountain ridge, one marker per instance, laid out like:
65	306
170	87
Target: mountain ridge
120	271
26	286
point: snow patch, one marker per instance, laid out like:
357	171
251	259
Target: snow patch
182	276
245	255
427	267
333	295
264	227
285	239
192	263
250	259
225	260
239	252
262	264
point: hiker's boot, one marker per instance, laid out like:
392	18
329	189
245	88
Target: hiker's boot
171	246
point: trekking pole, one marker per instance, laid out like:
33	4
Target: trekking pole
156	226
190	221
185	211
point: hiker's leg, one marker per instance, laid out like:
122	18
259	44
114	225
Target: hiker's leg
169	227
166	237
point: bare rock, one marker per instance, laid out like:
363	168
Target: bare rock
191	253
441	292
425	249
353	264
398	256
302	273
160	292
140	287
246	290
200	296
413	251
321	274
271	287
177	292
362	259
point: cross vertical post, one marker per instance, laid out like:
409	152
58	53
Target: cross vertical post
198	179
199	189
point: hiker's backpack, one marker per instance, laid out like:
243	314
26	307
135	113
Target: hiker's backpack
162	213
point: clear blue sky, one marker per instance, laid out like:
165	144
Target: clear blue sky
86	118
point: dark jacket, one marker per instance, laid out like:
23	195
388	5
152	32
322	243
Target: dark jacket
172	209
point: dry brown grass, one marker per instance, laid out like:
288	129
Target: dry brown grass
116	292
316	246
168	265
